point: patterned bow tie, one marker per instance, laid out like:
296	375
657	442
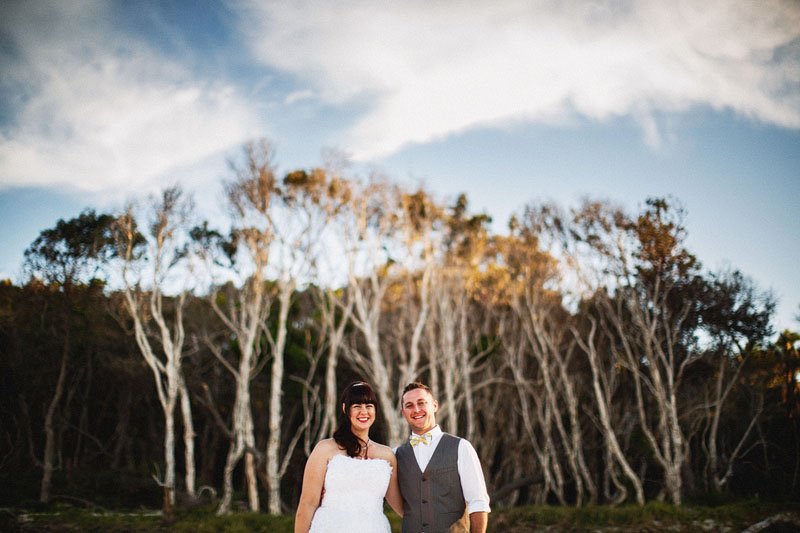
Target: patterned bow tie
421	439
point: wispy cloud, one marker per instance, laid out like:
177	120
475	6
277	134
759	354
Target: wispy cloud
431	69
298	96
96	108
90	105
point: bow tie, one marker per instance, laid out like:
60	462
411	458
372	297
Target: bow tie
420	439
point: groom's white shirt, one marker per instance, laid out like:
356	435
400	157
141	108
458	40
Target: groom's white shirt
469	470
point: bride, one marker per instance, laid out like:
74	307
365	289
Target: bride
347	477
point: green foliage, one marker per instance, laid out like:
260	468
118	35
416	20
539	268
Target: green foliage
67	251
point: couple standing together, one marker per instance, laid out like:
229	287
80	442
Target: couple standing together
433	480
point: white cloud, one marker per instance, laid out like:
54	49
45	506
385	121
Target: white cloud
98	109
298	96
431	69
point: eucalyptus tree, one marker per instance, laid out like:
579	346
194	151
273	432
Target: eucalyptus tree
392	239
335	308
613	419
520	271
420	222
536	304
649	319
370	230
334	305
308	201
271	249
150	264
242	303
458	316
586	244
64	256
736	322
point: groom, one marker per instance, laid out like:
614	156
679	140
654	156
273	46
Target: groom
440	475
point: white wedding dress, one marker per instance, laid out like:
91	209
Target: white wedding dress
353	496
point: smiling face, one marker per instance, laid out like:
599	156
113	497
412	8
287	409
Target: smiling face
362	416
419	410
358	408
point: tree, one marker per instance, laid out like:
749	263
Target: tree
736	318
545	327
458	319
322	197
147	264
786	354
370	232
649	318
308	201
548	260
244	310
777	370
63	256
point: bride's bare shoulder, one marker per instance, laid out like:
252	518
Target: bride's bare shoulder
326	448
381	451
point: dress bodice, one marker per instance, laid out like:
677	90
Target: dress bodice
353	496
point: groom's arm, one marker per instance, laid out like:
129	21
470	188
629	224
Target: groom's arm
473	486
478	522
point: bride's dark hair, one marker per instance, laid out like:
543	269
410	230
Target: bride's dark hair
356	392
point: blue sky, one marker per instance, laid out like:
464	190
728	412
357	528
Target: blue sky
509	101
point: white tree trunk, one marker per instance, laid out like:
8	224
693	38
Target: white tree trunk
276	392
169	451
166	387
333	331
602	401
539	448
234	454
366	317
720	474
242	442
48	462
331	400
167	368
242	431
188	439
664	434
466	366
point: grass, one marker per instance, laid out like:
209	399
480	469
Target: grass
653	516
204	520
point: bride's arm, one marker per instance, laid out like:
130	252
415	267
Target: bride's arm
313	481
393	492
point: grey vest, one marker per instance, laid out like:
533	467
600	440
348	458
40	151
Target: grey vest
432	500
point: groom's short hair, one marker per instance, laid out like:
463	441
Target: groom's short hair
417	385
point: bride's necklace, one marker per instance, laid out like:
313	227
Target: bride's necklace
366	450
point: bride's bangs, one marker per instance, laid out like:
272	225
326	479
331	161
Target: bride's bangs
362	393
